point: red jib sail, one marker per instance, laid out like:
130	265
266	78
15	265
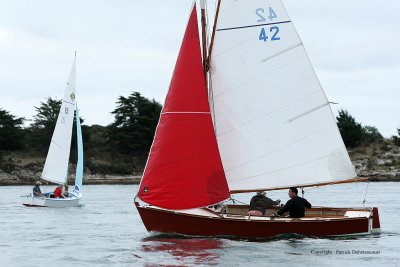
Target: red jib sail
184	169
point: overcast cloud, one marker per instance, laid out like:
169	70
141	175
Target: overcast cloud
126	46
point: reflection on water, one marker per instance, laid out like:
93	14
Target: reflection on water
184	250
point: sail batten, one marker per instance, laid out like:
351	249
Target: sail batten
275	127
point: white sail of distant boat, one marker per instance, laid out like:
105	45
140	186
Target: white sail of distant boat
56	166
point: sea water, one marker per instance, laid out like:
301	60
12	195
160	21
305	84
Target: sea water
107	231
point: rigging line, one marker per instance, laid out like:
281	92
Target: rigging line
235	200
252	26
365	195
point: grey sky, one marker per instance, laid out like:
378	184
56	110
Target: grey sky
128	45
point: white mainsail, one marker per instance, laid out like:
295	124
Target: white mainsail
56	166
273	121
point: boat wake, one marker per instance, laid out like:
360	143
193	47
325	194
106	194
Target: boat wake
155	236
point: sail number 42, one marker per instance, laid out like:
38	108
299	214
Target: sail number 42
273	31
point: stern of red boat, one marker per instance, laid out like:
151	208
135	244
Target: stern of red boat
376	226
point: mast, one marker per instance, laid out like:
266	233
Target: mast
204	36
213	36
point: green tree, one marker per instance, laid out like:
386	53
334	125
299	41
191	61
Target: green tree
44	121
11	133
371	134
136	119
396	139
351	131
47	113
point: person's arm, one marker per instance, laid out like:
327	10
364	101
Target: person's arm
272	202
285	208
307	204
277	202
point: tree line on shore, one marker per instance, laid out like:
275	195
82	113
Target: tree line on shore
118	148
122	146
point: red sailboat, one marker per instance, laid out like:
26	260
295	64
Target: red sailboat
269	127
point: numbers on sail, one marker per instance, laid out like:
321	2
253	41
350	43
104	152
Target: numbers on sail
263	36
273	30
276	31
260	11
66	110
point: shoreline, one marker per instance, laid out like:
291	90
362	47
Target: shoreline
122	180
87	180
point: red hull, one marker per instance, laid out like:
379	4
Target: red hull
170	222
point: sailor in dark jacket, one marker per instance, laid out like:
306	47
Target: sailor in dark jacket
259	204
296	205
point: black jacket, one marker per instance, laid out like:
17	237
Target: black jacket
261	203
295	206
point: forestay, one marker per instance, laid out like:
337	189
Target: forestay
273	121
56	166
